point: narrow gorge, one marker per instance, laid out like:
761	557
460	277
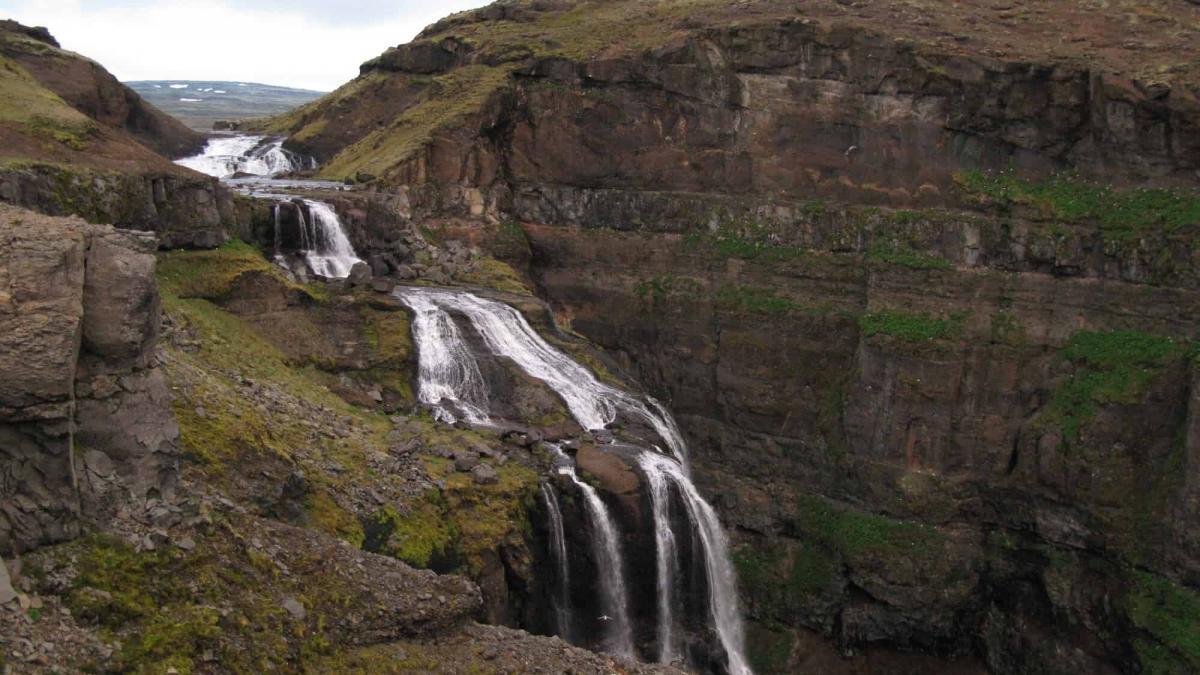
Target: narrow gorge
617	337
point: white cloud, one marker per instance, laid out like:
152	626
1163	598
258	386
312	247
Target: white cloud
194	40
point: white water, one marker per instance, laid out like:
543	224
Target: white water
606	549
448	371
558	544
594	405
666	563
329	253
224	156
722	596
323	242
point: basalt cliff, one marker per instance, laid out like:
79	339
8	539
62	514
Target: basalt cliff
917	280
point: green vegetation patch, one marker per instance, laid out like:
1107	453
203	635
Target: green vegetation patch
858	534
447	102
782	581
162	606
423	536
1171	614
210	274
906	256
911	327
1112	367
754	300
1123	215
748	240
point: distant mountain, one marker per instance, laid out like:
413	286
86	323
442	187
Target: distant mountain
199	103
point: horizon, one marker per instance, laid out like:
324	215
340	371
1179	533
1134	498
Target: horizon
327	43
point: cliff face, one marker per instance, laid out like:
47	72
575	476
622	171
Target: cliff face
75	141
84	409
920	286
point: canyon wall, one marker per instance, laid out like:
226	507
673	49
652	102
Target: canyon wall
925	308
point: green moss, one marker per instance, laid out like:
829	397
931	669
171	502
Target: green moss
754	300
781	582
165	609
420	536
857	534
211	274
447	102
905	256
1111	367
768	648
327	515
389	334
747	240
1122	215
492	273
911	327
1170	614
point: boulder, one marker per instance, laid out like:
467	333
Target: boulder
484	474
360	275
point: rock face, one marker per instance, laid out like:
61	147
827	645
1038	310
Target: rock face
84	411
965	429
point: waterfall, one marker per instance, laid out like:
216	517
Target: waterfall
558	545
722	584
606	549
225	156
592	403
449	375
323	243
329	252
666	558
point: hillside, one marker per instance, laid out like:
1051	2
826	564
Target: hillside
200	103
75	141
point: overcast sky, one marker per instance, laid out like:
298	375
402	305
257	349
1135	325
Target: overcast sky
312	44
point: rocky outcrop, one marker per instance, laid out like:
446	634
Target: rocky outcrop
185	211
84	412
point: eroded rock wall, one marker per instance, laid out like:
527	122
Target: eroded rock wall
84	410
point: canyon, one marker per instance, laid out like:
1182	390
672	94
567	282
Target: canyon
904	294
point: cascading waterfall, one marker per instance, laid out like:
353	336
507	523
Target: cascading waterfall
329	252
450	381
592	403
225	156
323	243
606	548
449	375
558	544
722	584
666	558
